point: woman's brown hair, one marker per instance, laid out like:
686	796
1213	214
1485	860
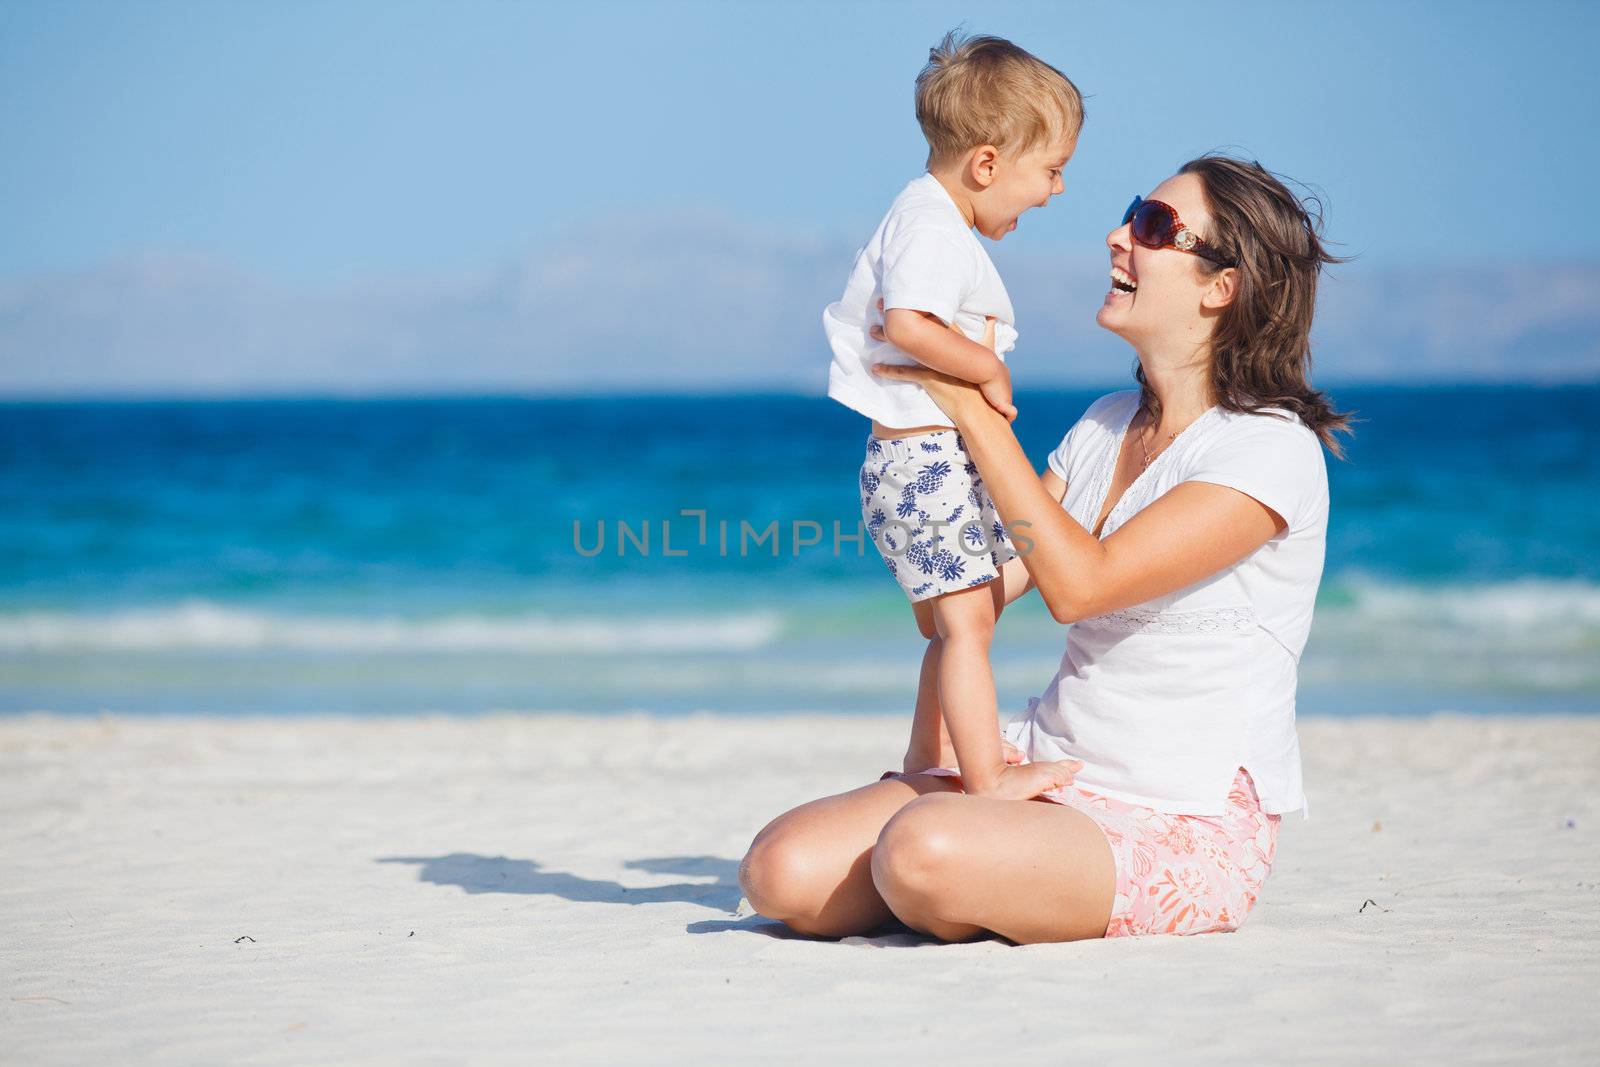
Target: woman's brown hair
1261	347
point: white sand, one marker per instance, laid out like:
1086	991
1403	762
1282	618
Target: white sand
562	890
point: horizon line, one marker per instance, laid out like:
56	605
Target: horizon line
629	393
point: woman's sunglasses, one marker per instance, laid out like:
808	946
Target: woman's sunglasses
1156	225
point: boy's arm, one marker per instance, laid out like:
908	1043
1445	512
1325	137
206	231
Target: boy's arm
912	328
922	336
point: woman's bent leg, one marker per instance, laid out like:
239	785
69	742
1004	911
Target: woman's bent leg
955	865
811	867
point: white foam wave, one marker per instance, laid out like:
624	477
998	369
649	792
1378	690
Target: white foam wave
1531	634
1524	604
1356	614
199	625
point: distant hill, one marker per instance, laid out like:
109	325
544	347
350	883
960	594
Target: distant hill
702	302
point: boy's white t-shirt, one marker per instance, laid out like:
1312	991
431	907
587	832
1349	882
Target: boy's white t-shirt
1163	701
924	257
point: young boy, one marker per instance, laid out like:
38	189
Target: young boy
1000	125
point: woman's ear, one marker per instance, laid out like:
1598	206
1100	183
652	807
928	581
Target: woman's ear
1222	291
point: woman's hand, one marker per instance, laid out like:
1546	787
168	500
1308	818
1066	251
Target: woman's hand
1028	780
955	397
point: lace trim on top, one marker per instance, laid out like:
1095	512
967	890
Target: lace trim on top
1138	494
1199	621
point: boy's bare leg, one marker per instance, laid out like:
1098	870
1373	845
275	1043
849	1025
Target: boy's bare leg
1014	581
930	740
930	744
966	621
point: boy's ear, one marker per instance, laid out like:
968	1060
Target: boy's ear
982	164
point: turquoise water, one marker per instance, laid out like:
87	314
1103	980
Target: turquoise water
420	555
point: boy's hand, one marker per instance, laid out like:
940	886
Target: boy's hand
997	390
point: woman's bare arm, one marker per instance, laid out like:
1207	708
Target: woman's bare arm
1192	531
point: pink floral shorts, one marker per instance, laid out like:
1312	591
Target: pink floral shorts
1179	874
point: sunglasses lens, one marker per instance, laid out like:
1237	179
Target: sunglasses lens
1152	226
1133	207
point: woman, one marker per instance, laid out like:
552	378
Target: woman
1180	527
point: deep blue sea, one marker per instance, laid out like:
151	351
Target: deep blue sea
366	556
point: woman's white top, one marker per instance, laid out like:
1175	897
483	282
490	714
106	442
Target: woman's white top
1165	700
923	256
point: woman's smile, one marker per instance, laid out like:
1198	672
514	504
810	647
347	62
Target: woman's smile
1123	284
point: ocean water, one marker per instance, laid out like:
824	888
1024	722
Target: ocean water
428	555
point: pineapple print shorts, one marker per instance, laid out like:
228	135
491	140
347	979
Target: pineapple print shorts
925	507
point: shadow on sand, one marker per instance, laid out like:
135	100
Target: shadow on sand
500	874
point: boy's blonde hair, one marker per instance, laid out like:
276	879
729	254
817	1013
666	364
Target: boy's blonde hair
986	90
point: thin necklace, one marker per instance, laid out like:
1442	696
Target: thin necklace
1171	437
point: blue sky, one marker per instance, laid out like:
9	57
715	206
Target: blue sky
317	146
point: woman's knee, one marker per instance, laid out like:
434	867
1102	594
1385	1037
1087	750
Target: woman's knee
916	849
779	875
